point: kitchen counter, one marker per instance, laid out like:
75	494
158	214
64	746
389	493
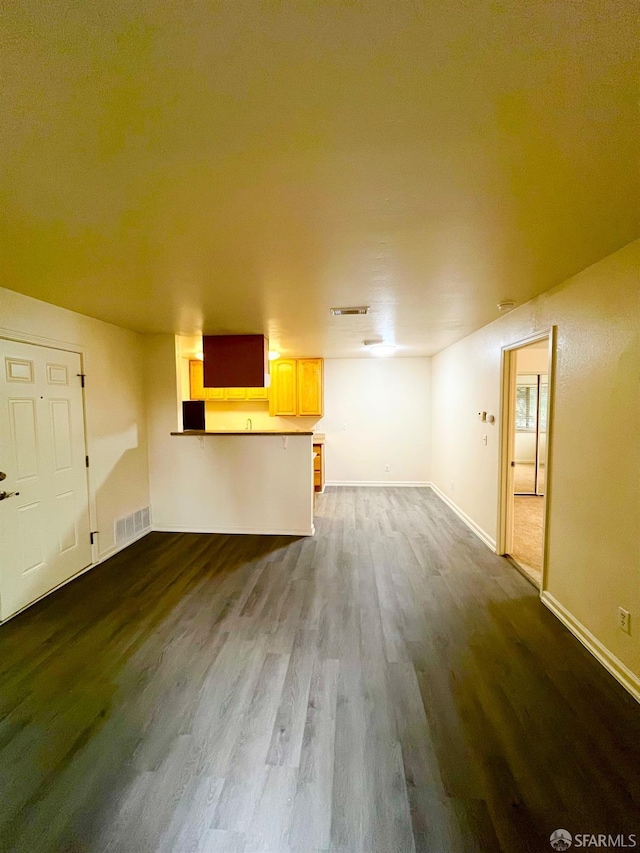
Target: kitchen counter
241	432
221	483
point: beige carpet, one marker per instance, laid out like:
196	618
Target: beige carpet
527	535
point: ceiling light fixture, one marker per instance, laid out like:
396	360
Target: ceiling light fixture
358	309
379	347
507	305
273	355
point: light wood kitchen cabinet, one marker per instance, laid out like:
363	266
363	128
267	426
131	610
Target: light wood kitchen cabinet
318	467
197	391
284	388
258	394
296	387
230	395
310	392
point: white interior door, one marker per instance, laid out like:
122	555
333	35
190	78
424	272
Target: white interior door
44	506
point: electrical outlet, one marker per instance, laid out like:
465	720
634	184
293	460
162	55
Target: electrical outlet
624	620
386	468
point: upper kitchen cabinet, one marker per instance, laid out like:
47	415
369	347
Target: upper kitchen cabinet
258	394
228	395
283	387
196	384
233	393
296	387
310	392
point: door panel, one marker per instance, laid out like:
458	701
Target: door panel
19	370
61	431
30	528
44	530
22	414
67	528
57	374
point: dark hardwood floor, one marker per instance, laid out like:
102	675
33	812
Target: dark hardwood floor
387	686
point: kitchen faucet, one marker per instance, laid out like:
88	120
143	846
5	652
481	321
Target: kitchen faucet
249	424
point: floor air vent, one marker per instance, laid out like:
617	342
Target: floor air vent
132	525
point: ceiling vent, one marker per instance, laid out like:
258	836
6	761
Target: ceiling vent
342	312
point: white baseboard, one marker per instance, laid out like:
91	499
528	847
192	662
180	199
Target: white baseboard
480	533
395	484
260	531
609	661
628	679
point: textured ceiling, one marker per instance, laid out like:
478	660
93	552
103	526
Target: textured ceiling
243	166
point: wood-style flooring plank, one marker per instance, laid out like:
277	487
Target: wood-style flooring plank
387	686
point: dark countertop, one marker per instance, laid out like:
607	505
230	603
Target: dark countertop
241	432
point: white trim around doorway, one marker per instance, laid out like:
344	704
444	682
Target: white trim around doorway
507	432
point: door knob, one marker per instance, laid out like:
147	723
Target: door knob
5	495
3	476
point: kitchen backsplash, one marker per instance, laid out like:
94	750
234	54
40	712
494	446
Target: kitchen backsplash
234	416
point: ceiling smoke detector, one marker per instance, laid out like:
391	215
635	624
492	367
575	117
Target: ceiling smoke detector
507	305
358	309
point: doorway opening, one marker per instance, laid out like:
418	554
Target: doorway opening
527	372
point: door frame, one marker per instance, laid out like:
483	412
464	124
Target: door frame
507	444
78	349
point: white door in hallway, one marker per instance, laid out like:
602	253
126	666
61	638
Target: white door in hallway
44	506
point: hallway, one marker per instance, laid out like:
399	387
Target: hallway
388	685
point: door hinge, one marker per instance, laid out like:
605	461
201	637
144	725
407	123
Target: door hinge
81	375
92	535
86	461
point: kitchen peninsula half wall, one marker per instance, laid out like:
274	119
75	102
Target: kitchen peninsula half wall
255	481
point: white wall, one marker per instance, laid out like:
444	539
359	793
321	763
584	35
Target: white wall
525	447
220	484
376	414
114	402
532	360
594	506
